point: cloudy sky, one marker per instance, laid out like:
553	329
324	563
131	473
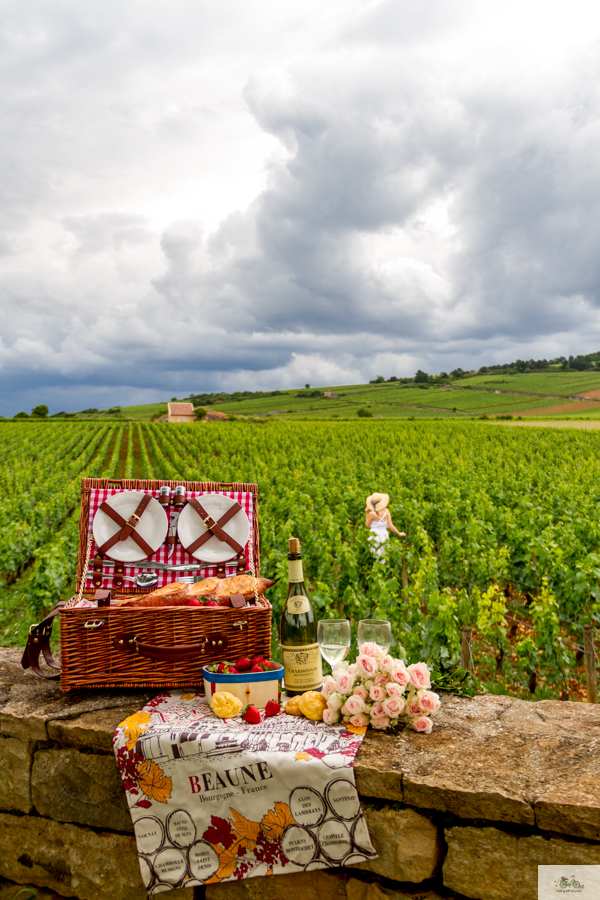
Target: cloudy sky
255	194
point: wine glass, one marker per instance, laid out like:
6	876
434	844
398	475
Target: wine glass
376	631
334	638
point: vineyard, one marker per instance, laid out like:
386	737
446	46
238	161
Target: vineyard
502	527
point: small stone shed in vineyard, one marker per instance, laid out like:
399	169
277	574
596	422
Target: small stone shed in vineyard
180	413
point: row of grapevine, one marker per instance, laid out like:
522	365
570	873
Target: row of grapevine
494	517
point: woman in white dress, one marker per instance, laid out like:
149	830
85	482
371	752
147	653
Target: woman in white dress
378	520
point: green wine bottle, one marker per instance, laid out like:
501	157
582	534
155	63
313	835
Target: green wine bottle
302	665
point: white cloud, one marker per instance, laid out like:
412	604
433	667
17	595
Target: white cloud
259	194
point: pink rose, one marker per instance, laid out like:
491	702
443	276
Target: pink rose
328	686
359	721
361	692
380	722
330	716
386	663
344	683
413	707
352	669
419	675
394	690
399	674
369	683
430	702
381	678
393	707
335	702
354	705
377	710
377	692
367	666
423	724
369	649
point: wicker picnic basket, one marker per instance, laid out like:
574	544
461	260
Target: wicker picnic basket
104	646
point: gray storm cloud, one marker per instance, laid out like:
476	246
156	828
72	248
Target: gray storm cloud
383	188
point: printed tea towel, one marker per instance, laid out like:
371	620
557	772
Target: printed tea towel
218	800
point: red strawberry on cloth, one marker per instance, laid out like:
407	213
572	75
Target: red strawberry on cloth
251	715
272	709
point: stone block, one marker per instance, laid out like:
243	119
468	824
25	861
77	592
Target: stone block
489	864
31	705
85	788
15	765
408	844
93	730
365	890
69	859
9	891
378	767
317	885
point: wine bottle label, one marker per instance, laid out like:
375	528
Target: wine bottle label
298	604
303	669
295	570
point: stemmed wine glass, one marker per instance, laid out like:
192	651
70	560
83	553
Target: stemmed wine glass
376	631
334	638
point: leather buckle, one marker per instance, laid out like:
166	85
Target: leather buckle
208	522
130	522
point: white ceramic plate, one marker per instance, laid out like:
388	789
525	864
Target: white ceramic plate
152	527
190	527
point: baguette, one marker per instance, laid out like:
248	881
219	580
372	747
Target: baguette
241	584
205	588
175	594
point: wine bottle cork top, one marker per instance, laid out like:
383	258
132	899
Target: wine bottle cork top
294	545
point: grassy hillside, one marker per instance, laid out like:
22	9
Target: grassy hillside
552	392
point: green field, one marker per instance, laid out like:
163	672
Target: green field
470	396
561	384
501	523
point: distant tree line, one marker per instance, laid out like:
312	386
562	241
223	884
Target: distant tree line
572	363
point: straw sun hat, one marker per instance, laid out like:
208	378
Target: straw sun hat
377	502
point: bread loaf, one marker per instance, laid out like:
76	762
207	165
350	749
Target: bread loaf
175	594
241	584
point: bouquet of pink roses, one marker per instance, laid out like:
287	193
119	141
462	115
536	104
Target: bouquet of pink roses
378	690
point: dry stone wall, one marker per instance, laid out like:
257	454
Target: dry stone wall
500	787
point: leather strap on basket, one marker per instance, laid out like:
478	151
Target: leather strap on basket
215	529
39	638
127	527
39	642
184	651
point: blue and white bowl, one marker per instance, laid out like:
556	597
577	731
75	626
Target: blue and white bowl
256	688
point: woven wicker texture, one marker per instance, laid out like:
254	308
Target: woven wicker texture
91	653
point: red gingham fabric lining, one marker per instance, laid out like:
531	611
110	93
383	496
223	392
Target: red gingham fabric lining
179	557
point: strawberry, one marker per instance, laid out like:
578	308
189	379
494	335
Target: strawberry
243	664
257	659
193	602
251	714
232	671
221	667
272	708
211	603
257	669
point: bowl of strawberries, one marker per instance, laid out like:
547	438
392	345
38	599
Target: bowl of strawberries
253	680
